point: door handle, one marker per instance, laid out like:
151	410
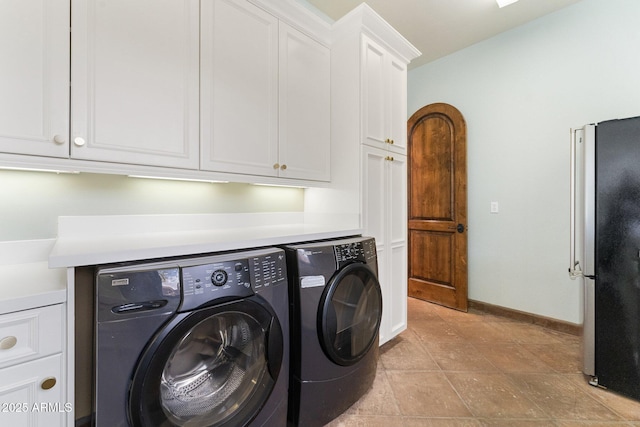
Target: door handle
459	228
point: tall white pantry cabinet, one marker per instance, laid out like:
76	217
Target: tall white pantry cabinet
369	110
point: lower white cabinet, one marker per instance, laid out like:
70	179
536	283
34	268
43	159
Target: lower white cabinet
32	383
31	394
384	214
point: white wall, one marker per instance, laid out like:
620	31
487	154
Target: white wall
30	202
520	93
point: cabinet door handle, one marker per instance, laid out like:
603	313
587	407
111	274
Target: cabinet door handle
79	141
48	383
389	141
8	342
276	166
283	167
389	158
59	139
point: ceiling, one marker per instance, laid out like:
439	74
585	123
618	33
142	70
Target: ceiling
440	27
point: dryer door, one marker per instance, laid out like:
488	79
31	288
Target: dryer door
210	367
349	314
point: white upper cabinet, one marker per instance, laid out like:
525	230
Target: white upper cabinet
265	95
384	98
135	91
305	106
176	88
34	77
239	88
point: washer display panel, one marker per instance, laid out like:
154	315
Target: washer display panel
349	314
210	369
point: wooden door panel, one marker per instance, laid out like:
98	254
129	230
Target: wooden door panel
432	162
431	256
437	220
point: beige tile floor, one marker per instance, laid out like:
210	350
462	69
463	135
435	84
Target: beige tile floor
452	369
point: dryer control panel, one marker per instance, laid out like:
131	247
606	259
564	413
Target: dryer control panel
359	251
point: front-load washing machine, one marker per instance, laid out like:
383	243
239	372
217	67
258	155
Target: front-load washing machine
336	308
202	341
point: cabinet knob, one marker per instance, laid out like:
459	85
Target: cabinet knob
387	141
283	167
48	383
276	166
391	141
79	141
390	158
8	342
59	139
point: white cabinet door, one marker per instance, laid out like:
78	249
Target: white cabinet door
34	77
31	394
373	193
305	106
374	83
239	88
397	105
135	68
384	98
396	250
384	211
30	334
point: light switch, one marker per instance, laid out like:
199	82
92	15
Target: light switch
494	207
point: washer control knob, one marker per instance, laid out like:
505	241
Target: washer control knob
219	277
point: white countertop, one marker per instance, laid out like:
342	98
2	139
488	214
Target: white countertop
26	279
101	240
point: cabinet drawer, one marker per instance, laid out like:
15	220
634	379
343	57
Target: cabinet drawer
29	334
32	394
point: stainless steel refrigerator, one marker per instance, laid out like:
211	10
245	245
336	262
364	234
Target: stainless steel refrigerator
605	249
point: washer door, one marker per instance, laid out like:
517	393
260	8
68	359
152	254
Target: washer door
349	314
209	367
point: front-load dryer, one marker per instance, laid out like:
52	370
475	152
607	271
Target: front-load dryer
336	308
202	341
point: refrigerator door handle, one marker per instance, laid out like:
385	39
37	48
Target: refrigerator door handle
575	269
587	200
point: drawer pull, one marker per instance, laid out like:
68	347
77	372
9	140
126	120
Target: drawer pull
8	342
48	383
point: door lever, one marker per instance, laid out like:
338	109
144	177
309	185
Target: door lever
459	228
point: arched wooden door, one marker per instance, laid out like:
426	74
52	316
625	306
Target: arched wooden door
437	187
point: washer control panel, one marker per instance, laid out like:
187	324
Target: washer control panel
202	283
268	270
225	276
